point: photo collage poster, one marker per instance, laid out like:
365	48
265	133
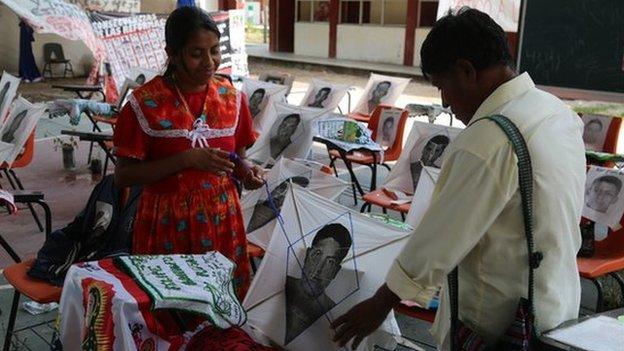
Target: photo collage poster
261	98
426	146
324	95
330	259
380	89
18	126
595	131
289	135
8	90
604	198
259	213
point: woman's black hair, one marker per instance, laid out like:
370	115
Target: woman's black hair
181	25
471	35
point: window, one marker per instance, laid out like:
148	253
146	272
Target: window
312	11
379	12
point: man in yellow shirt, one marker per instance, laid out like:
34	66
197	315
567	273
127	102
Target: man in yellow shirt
475	220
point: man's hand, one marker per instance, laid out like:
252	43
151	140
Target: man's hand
255	177
364	318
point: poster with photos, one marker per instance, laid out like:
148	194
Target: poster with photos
324	95
321	260
20	123
604	198
8	90
595	131
289	135
426	146
259	213
387	126
261	98
380	89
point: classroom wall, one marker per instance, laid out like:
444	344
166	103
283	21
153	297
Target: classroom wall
76	51
370	43
312	39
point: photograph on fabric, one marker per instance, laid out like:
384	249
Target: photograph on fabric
380	89
19	124
261	97
422	196
425	147
332	258
595	131
259	213
604	198
324	95
387	126
8	89
290	134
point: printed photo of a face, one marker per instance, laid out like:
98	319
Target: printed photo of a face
255	101
430	157
8	134
595	132
318	100
285	131
3	96
603	192
387	131
306	300
275	80
380	90
140	79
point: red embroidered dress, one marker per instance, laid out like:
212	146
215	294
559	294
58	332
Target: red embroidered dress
192	211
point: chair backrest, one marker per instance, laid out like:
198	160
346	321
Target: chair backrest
278	78
394	150
53	49
603	131
25	157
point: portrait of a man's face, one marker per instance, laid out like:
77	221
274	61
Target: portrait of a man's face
8	135
430	154
603	192
255	101
387	131
379	92
593	134
140	79
282	139
306	300
319	98
265	211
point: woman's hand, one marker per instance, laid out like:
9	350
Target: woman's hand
254	178
209	159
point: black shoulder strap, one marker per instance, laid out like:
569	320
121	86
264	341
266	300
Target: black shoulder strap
525	177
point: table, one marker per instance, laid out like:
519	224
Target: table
100	138
553	345
82	91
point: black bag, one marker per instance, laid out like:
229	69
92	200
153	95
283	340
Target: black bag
103	228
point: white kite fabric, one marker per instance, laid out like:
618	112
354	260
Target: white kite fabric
604	196
380	89
17	127
196	283
8	90
422	196
289	135
262	97
421	142
325	95
258	213
309	226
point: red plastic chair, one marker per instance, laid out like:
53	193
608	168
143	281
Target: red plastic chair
611	140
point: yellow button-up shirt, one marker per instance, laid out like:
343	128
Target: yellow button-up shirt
475	218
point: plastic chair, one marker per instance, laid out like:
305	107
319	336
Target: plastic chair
611	140
608	259
368	158
53	54
380	198
278	78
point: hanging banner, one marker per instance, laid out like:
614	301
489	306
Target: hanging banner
120	6
505	12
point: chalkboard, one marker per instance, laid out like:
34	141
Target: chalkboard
576	44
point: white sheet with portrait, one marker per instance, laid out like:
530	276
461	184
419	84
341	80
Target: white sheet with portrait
321	183
8	89
400	177
363	271
264	114
20	123
289	135
325	95
595	131
387	126
393	87
422	196
604	196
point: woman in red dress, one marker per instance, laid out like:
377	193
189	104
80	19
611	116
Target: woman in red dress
174	137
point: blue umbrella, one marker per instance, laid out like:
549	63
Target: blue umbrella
182	3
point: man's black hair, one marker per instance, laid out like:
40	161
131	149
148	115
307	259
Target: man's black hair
609	179
596	122
337	232
440	140
471	35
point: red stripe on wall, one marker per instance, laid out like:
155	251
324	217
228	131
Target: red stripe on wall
410	31
334	9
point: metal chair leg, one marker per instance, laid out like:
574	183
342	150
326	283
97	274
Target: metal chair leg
403	216
365	206
20	186
620	282
600	299
9	331
5	245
